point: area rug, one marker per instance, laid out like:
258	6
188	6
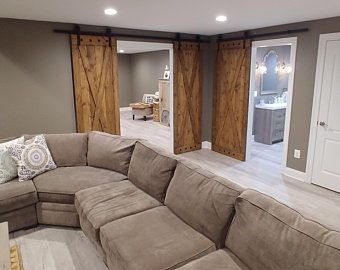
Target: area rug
16	263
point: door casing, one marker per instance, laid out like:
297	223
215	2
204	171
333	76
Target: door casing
268	43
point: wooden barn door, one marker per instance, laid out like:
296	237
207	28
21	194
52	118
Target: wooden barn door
231	98
187	102
95	81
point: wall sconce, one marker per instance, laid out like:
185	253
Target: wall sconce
283	68
261	68
286	68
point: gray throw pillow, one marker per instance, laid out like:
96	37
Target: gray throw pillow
8	167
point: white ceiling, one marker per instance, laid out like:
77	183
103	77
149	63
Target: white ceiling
131	47
186	16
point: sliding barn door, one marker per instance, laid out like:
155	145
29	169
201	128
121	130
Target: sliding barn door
95	81
231	98
187	101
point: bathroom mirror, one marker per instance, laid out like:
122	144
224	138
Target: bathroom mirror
269	80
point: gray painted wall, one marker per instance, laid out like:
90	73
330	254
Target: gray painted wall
138	74
146	69
124	80
36	93
208	66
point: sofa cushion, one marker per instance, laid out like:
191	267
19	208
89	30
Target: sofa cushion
218	260
153	239
57	214
203	200
61	184
4	140
110	152
15	195
68	150
20	218
151	170
102	204
267	234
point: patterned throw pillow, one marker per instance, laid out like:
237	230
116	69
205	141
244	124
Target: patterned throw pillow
8	167
32	157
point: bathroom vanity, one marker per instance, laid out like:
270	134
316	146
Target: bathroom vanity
269	122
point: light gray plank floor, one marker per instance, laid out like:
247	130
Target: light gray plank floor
55	248
148	130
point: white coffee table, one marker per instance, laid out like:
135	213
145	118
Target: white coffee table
5	261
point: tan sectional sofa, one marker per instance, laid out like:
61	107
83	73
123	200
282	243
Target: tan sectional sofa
143	208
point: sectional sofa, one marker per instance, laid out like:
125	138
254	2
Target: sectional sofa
143	208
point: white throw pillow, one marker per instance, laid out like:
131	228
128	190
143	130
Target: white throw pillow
8	167
32	157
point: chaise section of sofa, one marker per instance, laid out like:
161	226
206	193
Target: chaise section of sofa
145	189
153	239
193	222
102	204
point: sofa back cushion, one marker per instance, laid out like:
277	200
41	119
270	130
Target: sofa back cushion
7	139
265	234
67	150
202	200
110	152
151	170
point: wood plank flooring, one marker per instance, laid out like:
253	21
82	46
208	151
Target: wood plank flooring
148	130
56	248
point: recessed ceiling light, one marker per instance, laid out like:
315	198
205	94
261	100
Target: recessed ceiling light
221	18
121	51
110	11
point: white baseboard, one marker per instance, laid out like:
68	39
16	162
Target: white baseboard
123	109
297	175
206	145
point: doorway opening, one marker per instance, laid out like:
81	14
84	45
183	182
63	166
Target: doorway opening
146	91
270	100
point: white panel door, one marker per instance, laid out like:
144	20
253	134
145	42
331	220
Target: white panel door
326	169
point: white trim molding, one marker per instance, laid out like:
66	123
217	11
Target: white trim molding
295	174
292	41
206	145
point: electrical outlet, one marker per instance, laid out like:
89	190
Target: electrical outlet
297	154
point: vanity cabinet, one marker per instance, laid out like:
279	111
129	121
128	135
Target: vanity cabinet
269	125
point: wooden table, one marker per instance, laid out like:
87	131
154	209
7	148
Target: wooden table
5	262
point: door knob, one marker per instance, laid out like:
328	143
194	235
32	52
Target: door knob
323	124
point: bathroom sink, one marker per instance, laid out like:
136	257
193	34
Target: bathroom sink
274	106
